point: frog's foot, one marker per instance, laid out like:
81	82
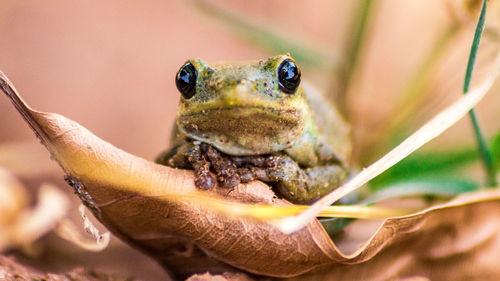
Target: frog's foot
224	168
201	166
202	158
255	161
297	184
256	167
249	174
306	185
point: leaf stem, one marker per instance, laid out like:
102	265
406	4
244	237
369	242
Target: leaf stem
484	151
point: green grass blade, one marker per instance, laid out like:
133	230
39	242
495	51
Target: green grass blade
495	149
445	187
475	46
425	165
433	164
484	151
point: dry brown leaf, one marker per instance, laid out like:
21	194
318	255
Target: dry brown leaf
459	240
130	196
68	230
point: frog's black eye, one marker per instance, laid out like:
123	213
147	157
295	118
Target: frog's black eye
185	80
288	76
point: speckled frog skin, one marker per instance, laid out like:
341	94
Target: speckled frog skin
256	120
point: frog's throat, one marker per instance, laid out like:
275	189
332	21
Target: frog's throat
238	109
242	130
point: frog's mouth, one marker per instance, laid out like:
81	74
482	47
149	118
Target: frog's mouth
243	130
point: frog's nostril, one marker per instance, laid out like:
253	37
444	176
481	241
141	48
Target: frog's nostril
241	83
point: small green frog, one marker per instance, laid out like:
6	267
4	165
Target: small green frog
247	121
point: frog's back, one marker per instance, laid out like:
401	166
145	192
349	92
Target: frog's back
333	130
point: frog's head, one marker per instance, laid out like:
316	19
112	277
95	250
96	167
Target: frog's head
242	108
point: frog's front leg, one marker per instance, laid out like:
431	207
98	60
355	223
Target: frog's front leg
223	166
297	184
202	157
189	155
305	185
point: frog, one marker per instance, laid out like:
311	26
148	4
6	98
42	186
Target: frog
242	121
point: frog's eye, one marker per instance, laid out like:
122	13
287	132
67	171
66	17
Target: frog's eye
185	80
288	76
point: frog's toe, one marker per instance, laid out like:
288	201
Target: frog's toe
230	181
205	181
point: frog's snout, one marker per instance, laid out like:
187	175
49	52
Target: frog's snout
238	95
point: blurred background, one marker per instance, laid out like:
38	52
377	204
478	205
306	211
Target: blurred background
390	65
